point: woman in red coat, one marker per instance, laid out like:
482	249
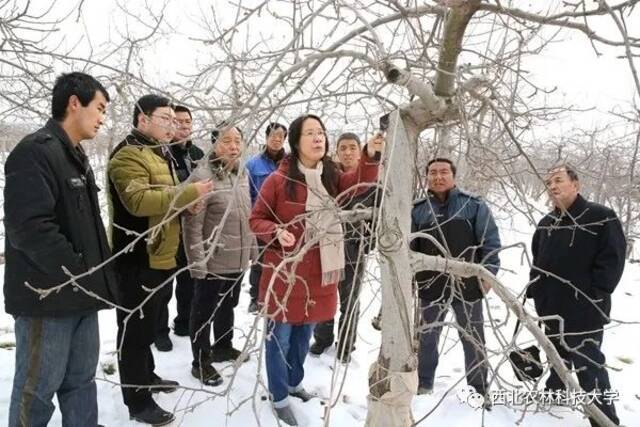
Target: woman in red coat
295	215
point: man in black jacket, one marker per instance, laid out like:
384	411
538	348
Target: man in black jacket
54	237
358	243
578	258
185	156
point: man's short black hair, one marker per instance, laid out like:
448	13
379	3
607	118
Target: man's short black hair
348	135
274	126
79	84
148	104
215	133
442	160
182	109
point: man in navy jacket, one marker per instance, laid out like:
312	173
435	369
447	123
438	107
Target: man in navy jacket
578	258
259	168
463	224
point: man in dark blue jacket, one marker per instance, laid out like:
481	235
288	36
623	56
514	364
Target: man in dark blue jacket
578	258
54	234
464	226
259	168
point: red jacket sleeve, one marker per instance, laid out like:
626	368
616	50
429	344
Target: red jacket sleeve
263	220
367	171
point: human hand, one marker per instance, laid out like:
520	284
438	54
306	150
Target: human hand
375	145
285	238
204	187
195	208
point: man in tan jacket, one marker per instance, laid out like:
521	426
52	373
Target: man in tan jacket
219	246
146	201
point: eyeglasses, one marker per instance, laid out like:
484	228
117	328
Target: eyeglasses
168	120
311	133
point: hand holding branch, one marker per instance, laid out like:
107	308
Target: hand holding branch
375	144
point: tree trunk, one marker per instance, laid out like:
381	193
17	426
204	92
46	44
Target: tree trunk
458	17
393	378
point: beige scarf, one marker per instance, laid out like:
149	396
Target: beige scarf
323	222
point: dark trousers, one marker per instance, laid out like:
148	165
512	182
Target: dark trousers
213	302
184	293
470	319
582	353
136	335
349	292
255	273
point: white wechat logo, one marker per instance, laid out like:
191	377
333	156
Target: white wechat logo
471	397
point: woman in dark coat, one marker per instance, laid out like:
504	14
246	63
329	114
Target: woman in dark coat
296	217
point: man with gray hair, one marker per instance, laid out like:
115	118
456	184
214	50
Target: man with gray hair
578	258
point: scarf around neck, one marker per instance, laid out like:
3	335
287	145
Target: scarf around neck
323	223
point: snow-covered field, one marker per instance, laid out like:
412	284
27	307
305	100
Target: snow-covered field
243	402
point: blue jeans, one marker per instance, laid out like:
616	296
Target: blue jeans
286	348
470	319
55	355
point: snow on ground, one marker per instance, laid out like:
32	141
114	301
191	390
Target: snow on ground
240	406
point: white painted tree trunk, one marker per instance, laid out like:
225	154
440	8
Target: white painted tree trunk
393	378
